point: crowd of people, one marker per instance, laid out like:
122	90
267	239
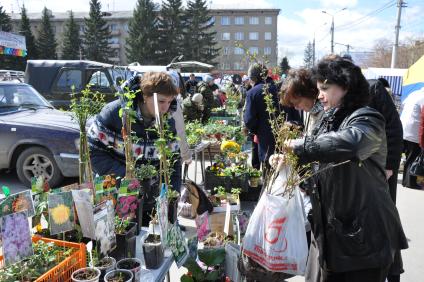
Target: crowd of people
352	132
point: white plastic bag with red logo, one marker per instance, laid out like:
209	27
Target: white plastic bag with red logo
276	236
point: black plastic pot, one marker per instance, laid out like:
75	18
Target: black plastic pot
153	253
126	243
126	273
173	210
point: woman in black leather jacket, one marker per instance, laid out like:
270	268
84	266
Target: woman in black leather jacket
356	224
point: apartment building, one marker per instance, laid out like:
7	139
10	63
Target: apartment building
254	29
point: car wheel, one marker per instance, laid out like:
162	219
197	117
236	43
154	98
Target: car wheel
36	161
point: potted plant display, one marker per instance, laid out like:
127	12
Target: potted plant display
126	232
105	265
86	274
212	268
119	275
153	251
254	177
131	264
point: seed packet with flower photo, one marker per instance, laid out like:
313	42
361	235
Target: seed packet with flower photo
18	202
104	222
129	187
178	245
16	237
84	205
61	212
126	206
106	195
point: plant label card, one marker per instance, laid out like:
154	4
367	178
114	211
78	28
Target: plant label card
98	183
127	206
104	218
84	205
18	202
70	187
39	185
16	236
61	212
177	244
202	225
106	195
162	209
129	187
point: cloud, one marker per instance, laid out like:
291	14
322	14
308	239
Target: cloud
339	3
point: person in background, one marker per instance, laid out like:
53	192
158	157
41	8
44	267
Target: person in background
410	117
191	84
357	228
386	85
205	88
193	107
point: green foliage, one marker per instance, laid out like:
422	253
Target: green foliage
220	191
213	270
200	44
142	40
308	58
46	256
5	20
284	66
171	25
86	105
71	39
46	42
253	172
195	132
25	28
121	224
96	35
172	194
145	171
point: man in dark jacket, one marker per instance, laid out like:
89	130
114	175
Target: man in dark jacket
383	103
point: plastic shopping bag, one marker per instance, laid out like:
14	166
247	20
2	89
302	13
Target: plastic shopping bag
276	237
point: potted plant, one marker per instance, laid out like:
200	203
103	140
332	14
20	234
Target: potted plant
126	232
153	251
211	268
119	275
254	177
86	274
145	173
220	192
173	198
234	197
131	264
105	265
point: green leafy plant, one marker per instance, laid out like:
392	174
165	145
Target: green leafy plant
145	171
83	107
213	260
254	173
122	224
220	192
172	194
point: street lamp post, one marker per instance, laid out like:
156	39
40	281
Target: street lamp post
332	27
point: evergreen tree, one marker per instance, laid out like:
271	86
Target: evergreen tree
142	41
71	39
29	37
96	35
284	66
308	58
5	21
46	42
171	26
200	41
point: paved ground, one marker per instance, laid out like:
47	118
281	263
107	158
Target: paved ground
410	205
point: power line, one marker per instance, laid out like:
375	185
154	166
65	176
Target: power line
366	17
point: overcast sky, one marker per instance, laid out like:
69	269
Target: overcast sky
360	25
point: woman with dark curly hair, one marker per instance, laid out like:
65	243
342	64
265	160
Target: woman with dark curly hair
356	225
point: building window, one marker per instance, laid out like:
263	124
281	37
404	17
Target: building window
239	36
237	66
267	51
126	28
254	50
268	20
239	20
253	35
254	20
268	36
226	36
225	20
113	40
226	50
238	51
211	21
225	66
81	28
113	27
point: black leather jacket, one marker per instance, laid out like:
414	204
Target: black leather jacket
356	224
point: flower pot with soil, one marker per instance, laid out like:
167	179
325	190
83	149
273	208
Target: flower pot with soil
153	251
126	234
132	264
105	265
119	275
86	274
173	199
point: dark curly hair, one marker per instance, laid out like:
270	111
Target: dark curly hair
342	72
298	83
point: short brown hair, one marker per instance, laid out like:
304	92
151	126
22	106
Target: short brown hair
159	82
297	84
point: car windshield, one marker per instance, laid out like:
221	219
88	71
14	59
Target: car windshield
19	97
